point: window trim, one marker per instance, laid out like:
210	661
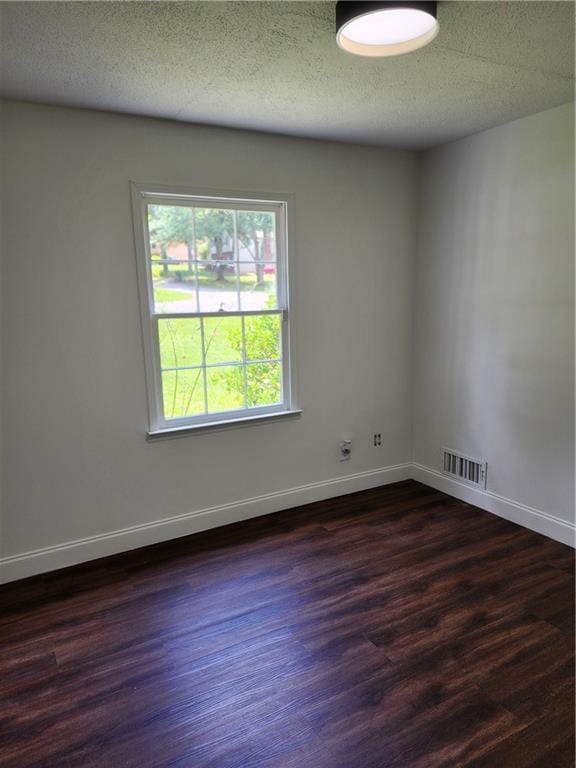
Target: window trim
143	194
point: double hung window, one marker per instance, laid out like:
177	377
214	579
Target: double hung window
213	280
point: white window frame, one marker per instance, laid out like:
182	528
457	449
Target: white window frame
280	205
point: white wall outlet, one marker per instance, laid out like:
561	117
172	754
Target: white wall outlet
345	450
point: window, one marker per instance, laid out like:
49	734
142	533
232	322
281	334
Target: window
213	280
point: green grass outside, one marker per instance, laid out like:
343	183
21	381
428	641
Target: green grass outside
181	345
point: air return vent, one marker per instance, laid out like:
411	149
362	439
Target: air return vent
463	468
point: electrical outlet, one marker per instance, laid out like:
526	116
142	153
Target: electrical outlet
345	450
377	440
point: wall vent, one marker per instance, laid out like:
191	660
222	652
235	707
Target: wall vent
463	468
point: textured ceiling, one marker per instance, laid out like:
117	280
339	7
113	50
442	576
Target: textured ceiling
275	66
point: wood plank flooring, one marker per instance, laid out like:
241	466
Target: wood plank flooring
393	628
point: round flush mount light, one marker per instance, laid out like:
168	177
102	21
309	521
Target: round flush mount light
385	28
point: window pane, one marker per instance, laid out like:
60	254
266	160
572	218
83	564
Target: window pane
257	257
183	393
225	386
180	342
258	285
223	339
218	288
263	337
256	236
171	230
215	247
264	384
174	287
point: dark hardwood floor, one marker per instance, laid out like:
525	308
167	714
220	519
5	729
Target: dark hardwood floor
393	628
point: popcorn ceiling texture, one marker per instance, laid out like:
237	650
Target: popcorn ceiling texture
275	66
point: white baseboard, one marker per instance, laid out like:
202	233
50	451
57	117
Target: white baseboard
82	550
541	522
93	547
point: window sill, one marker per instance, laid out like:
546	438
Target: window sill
169	433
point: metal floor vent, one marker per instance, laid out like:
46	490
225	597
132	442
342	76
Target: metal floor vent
463	468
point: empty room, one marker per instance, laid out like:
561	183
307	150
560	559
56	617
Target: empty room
287	466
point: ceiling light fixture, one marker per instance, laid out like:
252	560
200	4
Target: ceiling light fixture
385	28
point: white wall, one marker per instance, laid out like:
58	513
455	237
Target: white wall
494	312
76	461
